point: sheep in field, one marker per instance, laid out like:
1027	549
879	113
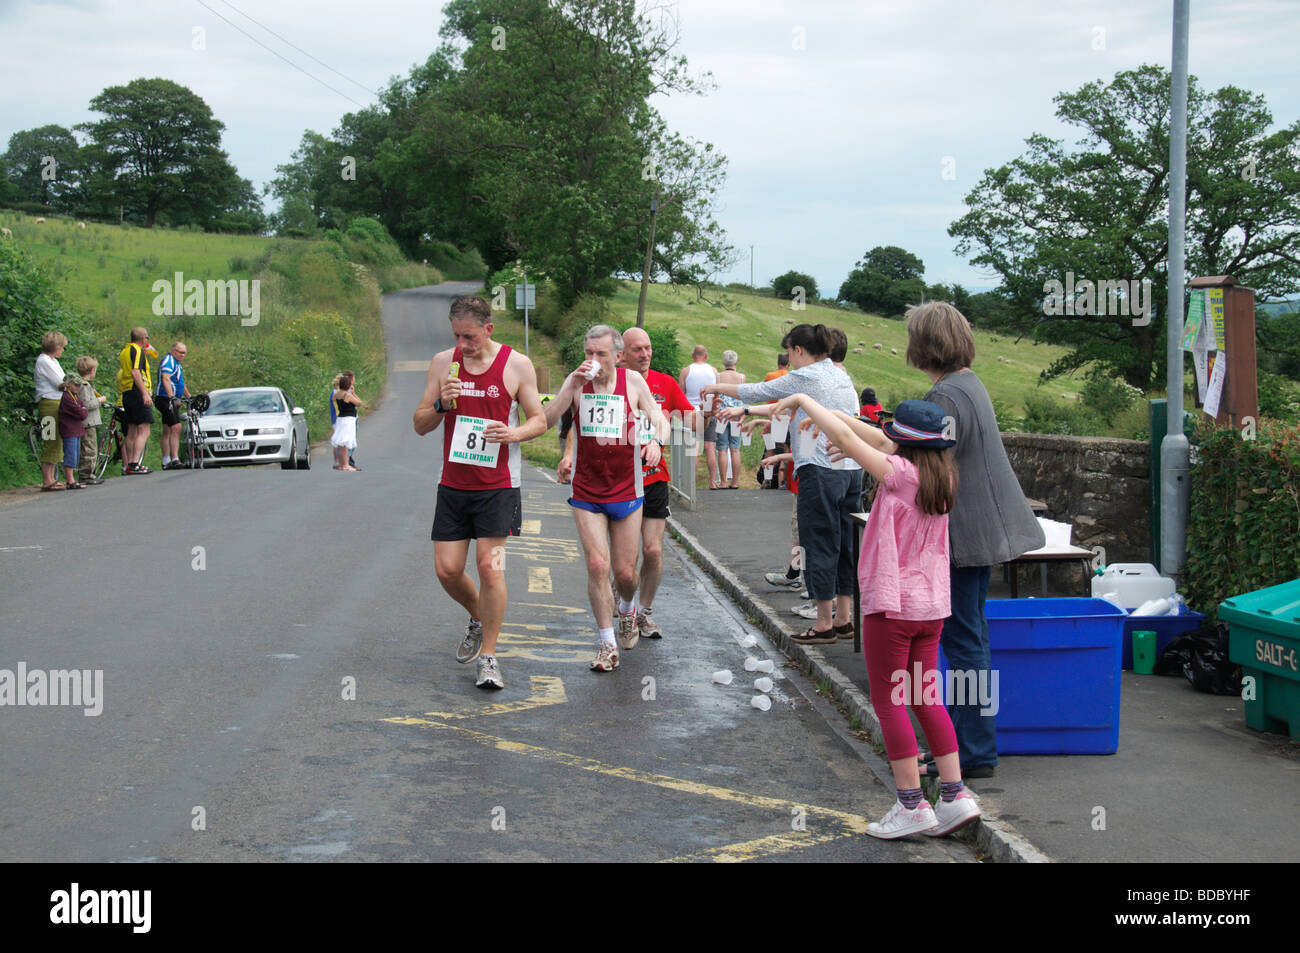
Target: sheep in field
6	233
40	221
81	225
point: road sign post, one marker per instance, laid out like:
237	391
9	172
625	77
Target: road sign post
526	297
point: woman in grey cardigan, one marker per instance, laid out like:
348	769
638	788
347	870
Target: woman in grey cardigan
991	521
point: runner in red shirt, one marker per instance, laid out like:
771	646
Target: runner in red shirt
668	394
607	480
478	493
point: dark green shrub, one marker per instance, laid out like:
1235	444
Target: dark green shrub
1106	395
666	357
1244	523
1044	415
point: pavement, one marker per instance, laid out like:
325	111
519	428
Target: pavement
1189	782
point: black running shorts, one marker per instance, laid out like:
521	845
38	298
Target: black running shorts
476	514
656	501
136	411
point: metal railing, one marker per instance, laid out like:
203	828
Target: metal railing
683	449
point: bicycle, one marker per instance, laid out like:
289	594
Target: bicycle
112	445
192	438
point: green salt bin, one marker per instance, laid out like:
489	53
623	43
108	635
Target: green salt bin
1264	639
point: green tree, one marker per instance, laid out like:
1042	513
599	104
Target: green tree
1099	212
44	165
783	285
543	123
886	281
157	137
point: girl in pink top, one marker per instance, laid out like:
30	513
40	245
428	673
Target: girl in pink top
903	575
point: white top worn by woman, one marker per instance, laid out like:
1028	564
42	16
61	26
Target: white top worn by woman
48	378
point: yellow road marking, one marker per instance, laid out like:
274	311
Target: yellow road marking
531	527
561	610
853	823
410	365
762	847
547	690
539	579
544	549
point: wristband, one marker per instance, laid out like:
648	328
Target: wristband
437	406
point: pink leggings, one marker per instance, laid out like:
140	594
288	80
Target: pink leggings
893	647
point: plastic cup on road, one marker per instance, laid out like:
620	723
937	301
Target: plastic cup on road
756	665
763	684
748	642
761	702
722	677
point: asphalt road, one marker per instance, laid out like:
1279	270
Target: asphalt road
230	610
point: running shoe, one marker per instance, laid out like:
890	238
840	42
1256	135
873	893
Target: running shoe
628	635
900	822
646	625
489	676
955	814
782	581
472	645
808	610
606	659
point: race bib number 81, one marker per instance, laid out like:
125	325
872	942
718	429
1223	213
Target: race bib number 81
602	415
468	445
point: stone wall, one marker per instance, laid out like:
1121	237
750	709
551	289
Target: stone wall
1100	485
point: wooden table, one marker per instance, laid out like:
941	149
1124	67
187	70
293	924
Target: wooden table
1053	554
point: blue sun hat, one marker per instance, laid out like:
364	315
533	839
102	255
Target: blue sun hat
918	423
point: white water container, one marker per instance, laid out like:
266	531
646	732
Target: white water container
1132	583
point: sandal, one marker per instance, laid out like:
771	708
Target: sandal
76	486
51	487
813	637
844	631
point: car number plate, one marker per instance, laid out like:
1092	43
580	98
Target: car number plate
229	445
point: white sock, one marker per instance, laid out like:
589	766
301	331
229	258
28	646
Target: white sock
625	607
166	460
607	635
645	608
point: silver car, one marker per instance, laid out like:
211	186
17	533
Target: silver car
254	425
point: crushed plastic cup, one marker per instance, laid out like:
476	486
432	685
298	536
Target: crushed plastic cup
763	684
759	665
761	702
723	677
748	642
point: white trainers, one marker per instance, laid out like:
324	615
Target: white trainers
628	634
782	581
646	625
900	822
955	814
489	676
808	610
606	659
471	645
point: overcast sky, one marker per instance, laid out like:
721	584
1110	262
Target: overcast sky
834	147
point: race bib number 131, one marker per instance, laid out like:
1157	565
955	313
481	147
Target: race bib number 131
602	415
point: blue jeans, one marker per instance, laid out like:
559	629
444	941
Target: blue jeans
965	642
71	452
